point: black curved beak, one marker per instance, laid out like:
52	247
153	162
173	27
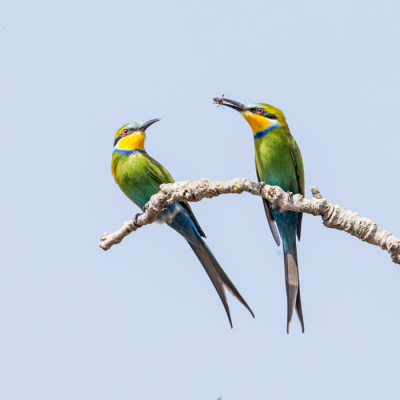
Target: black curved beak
232	104
144	126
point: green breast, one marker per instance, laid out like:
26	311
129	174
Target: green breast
131	174
274	161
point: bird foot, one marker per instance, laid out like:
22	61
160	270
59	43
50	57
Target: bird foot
261	186
290	194
135	220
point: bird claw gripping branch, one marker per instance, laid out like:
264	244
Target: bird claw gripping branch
135	218
261	186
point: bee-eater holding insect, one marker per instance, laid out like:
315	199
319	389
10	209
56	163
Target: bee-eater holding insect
278	162
139	176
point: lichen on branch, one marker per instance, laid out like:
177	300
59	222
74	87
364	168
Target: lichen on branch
333	216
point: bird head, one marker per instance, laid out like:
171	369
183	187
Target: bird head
132	136
260	116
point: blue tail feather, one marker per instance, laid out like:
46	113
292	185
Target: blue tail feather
180	220
287	226
183	224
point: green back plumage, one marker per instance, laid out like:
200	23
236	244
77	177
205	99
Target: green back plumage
133	176
139	176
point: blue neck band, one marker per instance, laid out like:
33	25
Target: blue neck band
129	152
261	134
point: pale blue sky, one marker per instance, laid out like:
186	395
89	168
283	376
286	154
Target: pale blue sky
143	321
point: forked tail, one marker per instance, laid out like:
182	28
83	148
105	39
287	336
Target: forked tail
217	275
292	286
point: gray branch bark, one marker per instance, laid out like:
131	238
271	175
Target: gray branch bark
333	216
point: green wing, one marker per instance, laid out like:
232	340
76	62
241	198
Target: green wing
270	218
161	175
158	172
298	164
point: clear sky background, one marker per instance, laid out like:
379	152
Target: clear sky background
143	321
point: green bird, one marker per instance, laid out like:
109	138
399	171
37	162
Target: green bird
278	162
139	176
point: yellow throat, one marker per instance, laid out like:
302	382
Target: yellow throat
257	122
133	141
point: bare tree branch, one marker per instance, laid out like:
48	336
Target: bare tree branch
333	216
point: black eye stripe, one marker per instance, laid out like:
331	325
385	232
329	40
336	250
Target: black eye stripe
265	114
123	134
117	139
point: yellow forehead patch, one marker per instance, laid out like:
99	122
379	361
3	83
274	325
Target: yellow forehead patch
133	141
257	122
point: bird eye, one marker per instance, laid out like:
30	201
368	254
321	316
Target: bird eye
125	131
260	110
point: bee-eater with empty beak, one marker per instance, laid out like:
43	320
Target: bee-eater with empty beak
278	162
139	176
